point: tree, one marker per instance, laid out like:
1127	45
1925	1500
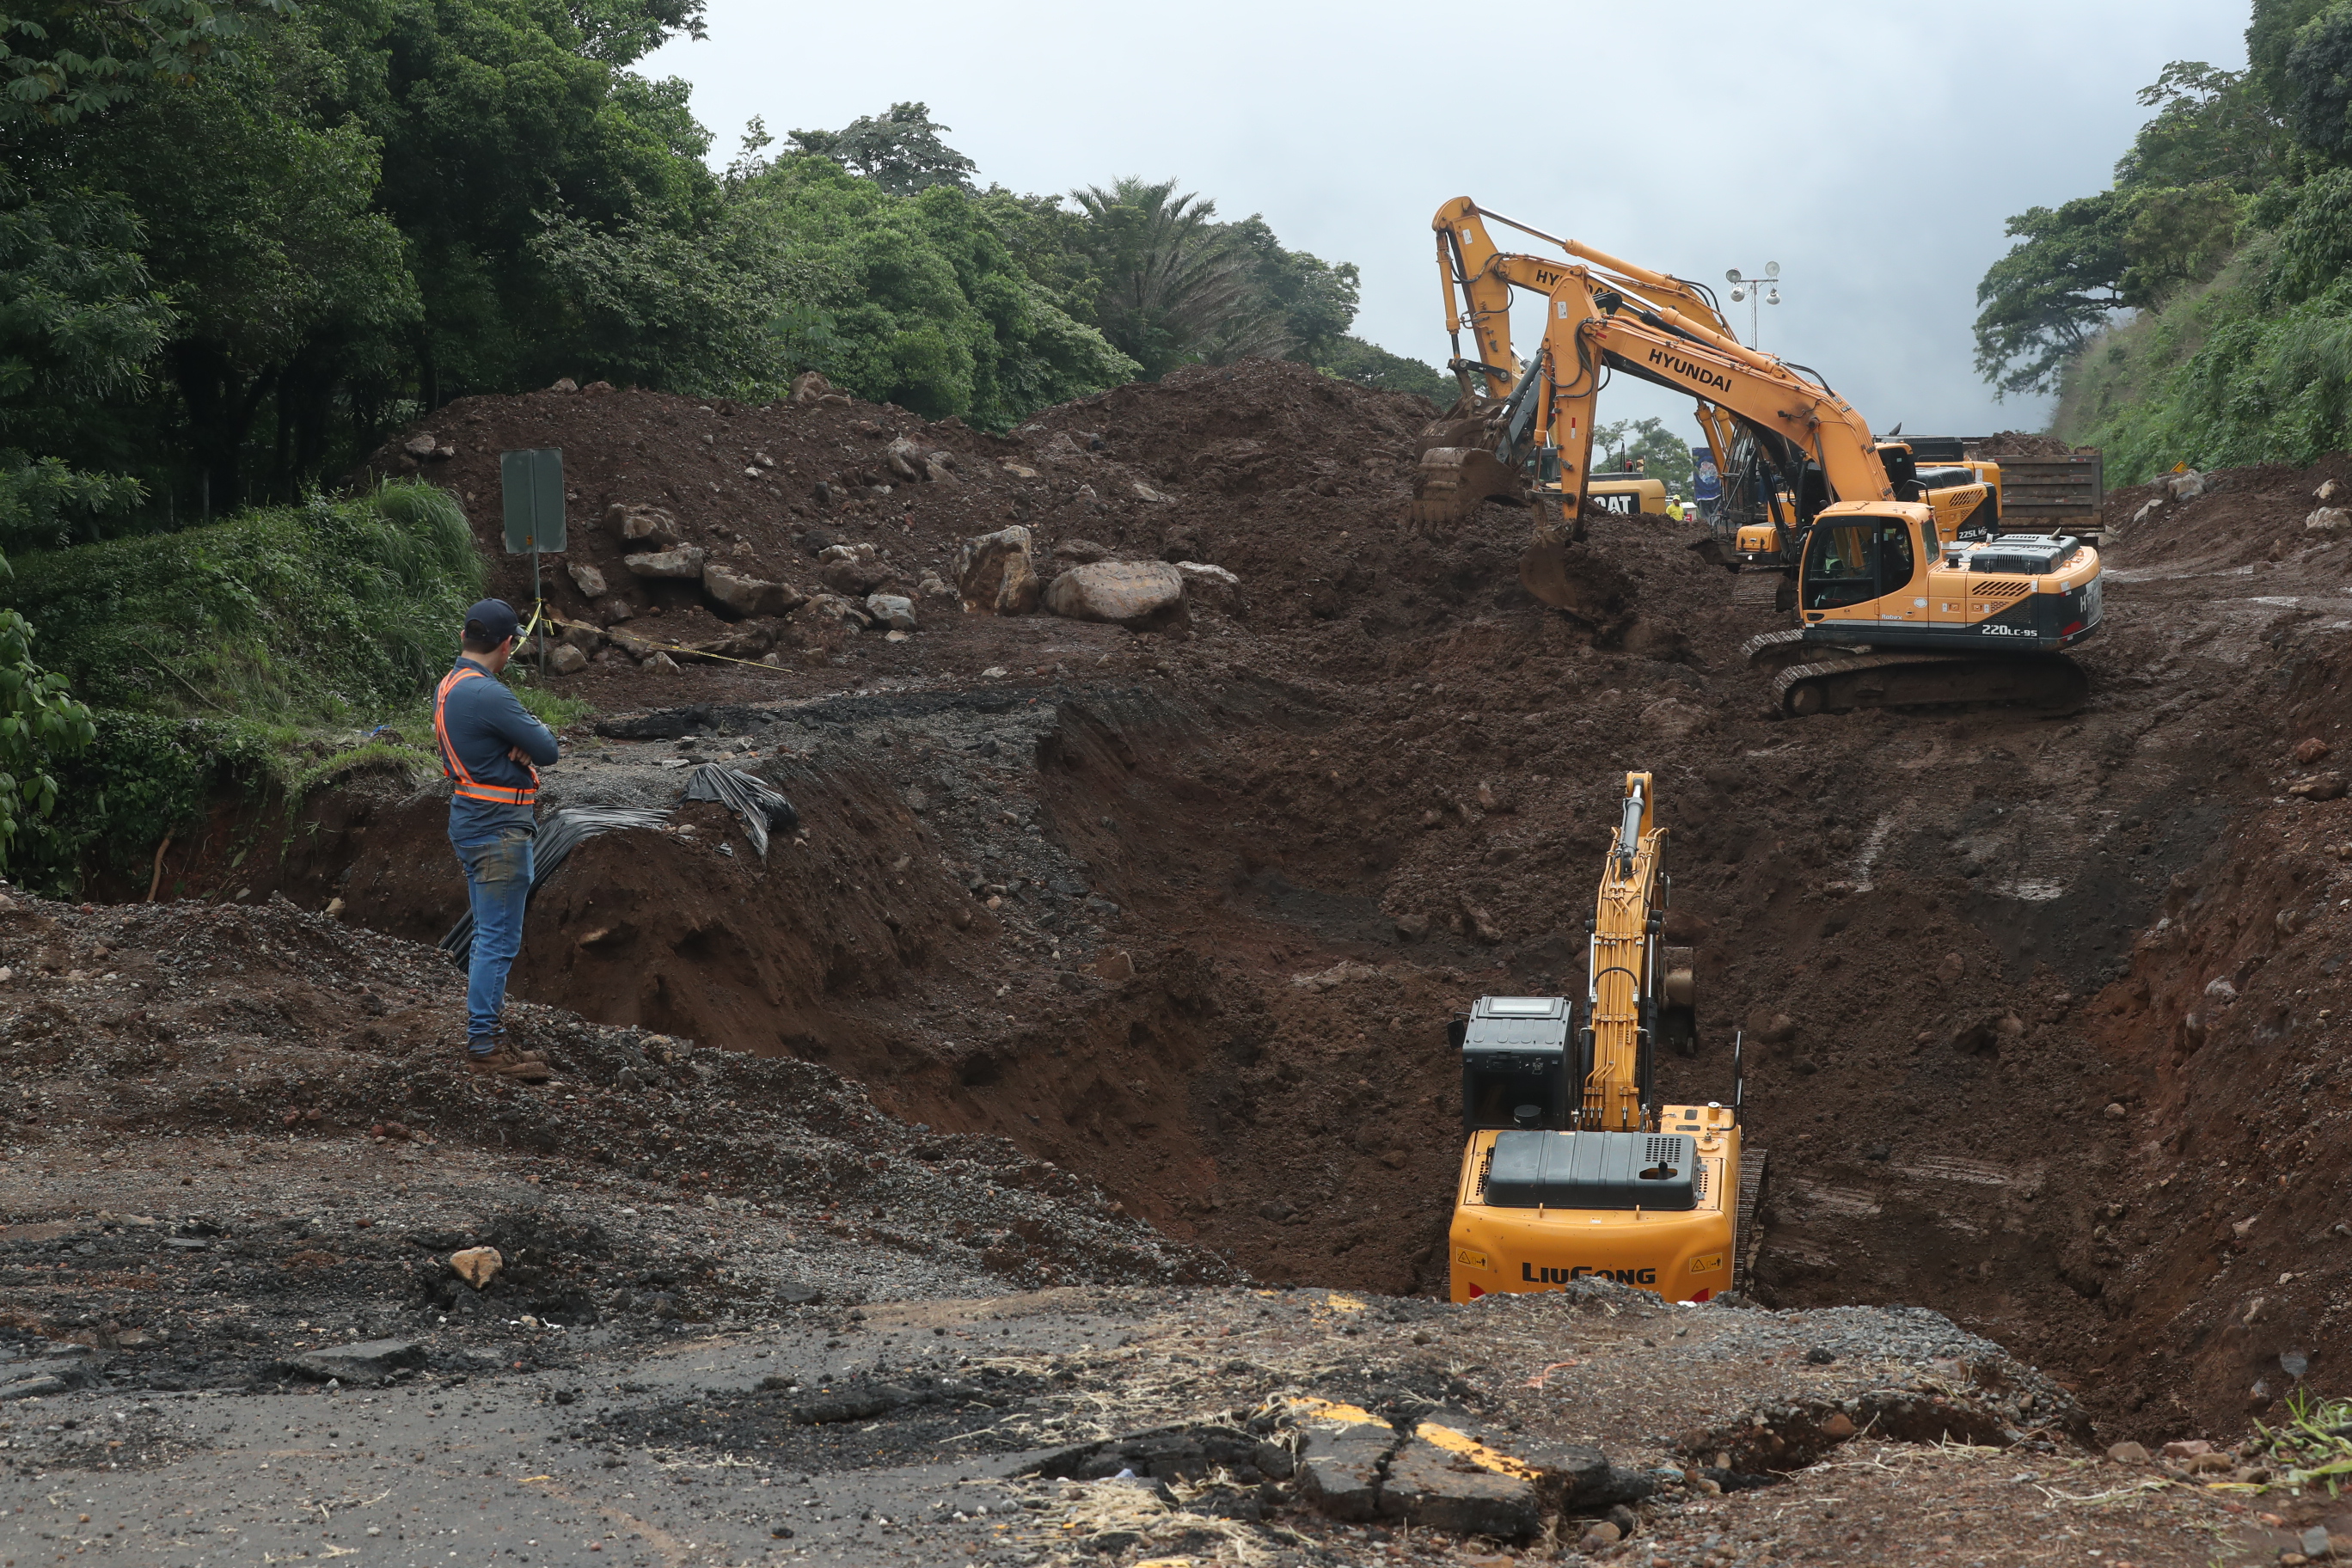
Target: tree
2211	126
1662	454
63	59
2316	77
260	227
1368	365
2176	235
2270	38
2045	299
902	152
716	313
490	113
78	322
918	299
1172	281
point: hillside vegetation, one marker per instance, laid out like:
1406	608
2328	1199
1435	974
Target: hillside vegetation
243	240
2200	310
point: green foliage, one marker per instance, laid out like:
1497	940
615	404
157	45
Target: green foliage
722	313
2174	236
2045	299
552	708
141	777
902	152
39	726
2317	78
320	614
2314	240
1663	456
1368	365
920	300
2220	380
2211	125
491	113
260	227
62	60
78	323
2182	195
2270	39
1172	283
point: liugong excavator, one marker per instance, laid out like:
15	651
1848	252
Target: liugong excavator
1571	1167
1901	600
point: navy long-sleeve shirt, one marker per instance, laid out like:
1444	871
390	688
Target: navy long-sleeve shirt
485	720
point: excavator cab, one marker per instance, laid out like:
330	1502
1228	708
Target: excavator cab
1851	560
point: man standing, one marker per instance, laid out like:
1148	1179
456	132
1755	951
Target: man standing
488	745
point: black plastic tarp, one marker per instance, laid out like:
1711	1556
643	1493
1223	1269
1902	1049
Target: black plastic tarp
559	835
754	801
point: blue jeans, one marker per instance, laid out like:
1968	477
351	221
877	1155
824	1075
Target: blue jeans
497	882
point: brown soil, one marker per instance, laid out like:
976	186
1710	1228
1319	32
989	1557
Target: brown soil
1961	948
2023	444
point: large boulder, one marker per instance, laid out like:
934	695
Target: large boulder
743	595
893	611
1140	594
643	528
683	564
565	660
994	575
586	578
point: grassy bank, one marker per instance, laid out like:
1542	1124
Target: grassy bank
243	660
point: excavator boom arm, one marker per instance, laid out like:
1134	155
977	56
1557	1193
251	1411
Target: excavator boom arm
1589	325
1621	981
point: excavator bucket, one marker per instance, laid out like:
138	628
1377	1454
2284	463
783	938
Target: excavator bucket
1452	481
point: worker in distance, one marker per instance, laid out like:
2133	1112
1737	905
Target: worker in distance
491	750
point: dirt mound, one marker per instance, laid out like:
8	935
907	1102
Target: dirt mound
2020	444
191	1024
2246	517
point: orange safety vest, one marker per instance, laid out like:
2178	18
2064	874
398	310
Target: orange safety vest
468	786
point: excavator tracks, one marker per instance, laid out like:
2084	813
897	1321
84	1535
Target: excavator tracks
2044	682
1750	1237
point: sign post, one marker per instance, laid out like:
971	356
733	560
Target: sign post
533	486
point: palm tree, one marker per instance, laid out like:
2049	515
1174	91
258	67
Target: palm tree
1174	288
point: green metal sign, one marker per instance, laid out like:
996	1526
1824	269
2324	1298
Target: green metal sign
533	482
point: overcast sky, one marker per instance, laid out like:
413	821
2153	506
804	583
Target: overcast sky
1874	149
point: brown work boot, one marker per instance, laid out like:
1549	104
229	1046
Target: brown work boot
507	1063
505	1042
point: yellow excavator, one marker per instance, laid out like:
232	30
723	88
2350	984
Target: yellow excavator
1572	1169
1474	454
1901	600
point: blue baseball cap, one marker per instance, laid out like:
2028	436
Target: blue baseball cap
492	621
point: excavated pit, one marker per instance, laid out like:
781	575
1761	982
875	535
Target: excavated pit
1970	955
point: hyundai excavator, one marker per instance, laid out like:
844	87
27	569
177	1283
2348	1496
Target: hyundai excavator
1475	453
1572	1168
1901	600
